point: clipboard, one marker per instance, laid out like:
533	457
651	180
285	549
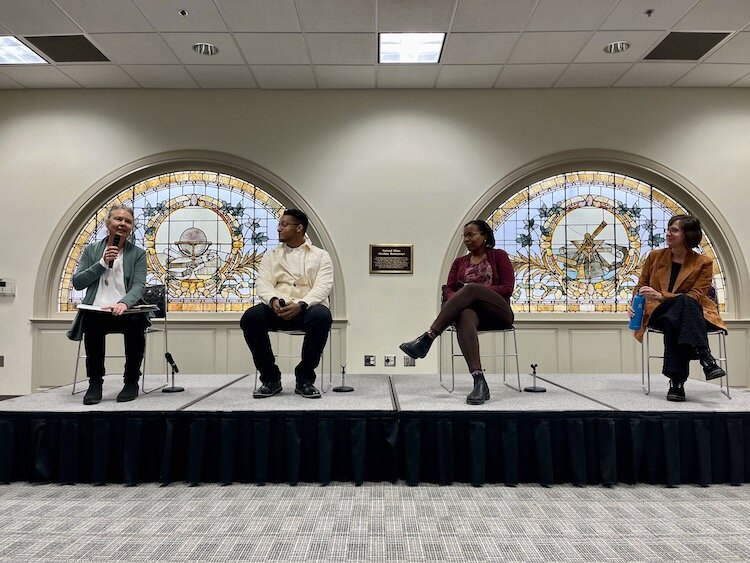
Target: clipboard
128	311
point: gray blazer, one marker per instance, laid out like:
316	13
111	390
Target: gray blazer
90	270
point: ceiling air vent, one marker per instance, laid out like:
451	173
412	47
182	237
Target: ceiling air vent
685	46
67	48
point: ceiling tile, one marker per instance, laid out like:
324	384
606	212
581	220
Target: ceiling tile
273	48
641	43
160	76
134	48
38	76
573	15
259	15
164	15
529	76
715	15
345	76
552	47
342	48
96	16
714	75
425	15
337	15
735	50
743	83
407	76
592	75
294	77
99	76
478	48
8	84
654	74
630	14
222	76
182	45
468	76
37	17
492	15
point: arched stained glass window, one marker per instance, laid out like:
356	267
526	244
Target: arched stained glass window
578	240
205	234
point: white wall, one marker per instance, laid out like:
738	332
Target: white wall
377	167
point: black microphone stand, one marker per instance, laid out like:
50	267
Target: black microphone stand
343	388
173	365
534	388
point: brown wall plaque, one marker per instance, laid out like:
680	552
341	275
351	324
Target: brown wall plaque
391	259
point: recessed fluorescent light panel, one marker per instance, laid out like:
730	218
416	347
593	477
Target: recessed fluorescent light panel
13	52
411	47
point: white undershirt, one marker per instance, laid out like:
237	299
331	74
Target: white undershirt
111	284
295	261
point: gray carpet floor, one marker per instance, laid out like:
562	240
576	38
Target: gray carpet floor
413	392
375	522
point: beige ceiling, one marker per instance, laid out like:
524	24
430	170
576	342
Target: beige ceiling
326	44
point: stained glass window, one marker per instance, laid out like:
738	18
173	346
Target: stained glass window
204	232
578	240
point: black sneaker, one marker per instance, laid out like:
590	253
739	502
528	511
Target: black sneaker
267	390
711	369
129	393
307	390
676	391
94	393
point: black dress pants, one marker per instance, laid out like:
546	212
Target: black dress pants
97	325
681	320
259	320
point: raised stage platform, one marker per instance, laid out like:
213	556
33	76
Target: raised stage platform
586	429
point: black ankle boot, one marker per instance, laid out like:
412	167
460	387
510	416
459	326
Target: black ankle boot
710	368
481	391
94	393
676	391
418	347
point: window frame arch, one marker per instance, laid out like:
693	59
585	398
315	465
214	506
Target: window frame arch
55	254
666	180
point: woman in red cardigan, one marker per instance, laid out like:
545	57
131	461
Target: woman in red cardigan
477	296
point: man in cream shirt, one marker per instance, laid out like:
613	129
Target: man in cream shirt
294	281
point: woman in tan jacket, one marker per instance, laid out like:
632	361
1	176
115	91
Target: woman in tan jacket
675	282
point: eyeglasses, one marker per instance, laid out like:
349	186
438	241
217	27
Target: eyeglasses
284	224
673	230
470	235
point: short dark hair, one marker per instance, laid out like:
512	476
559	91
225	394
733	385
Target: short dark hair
486	230
300	216
691	228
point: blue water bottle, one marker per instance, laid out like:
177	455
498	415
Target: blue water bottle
638	302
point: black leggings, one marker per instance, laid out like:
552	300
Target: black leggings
472	308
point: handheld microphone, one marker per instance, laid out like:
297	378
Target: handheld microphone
115	242
170	361
282	303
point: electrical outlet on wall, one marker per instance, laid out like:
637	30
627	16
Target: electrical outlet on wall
409	362
369	360
390	360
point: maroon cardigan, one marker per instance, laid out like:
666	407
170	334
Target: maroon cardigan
503	277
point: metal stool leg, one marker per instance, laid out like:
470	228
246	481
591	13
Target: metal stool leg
515	355
441	362
722	359
646	364
75	373
143	377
